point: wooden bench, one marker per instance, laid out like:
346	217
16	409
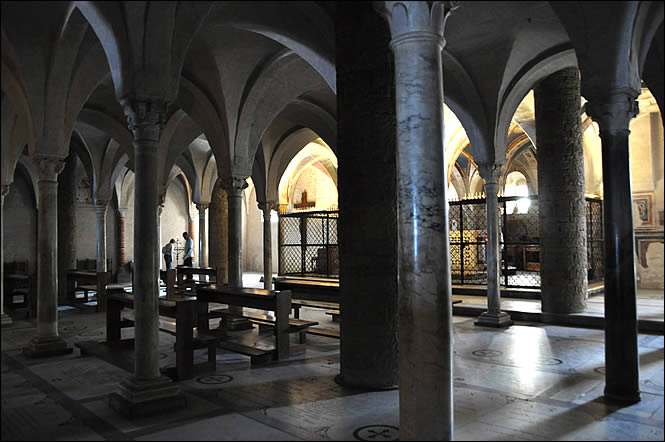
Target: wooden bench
19	287
295	325
334	314
261	299
87	281
310	289
297	303
183	310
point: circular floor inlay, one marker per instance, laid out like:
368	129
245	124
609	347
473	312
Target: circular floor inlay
75	328
214	379
92	333
377	432
548	361
487	353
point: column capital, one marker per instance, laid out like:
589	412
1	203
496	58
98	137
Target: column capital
268	205
235	186
145	119
416	20
101	203
160	209
122	211
202	207
49	167
5	189
614	110
490	172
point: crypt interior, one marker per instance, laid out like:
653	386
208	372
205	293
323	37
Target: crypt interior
410	220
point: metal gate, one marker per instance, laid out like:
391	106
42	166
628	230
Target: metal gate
308	244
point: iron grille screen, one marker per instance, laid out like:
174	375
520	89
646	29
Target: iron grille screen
308	242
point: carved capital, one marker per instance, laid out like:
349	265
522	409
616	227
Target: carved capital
100	207
160	209
416	19
613	111
490	172
202	207
48	168
122	212
269	205
145	119
5	190
235	186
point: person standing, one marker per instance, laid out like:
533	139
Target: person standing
189	249
167	251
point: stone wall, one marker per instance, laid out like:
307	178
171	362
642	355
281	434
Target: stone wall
20	219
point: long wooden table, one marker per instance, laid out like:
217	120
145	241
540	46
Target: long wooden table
277	301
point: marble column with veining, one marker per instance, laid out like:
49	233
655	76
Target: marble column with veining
47	342
5	319
613	112
234	193
203	235
147	391
493	316
366	151
100	213
424	279
561	203
267	209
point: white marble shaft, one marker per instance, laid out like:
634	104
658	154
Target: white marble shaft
234	192
613	114
424	289
100	213
5	319
144	121
267	244
492	203
203	235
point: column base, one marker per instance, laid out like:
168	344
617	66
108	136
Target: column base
622	398
147	398
5	320
339	379
235	324
40	347
491	319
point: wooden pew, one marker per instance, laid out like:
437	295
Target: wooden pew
87	281
19	289
183	310
277	301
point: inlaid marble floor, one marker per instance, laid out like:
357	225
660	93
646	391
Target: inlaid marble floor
528	382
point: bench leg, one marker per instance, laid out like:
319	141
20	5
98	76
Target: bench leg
212	353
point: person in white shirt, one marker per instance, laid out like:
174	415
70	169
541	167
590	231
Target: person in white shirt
167	251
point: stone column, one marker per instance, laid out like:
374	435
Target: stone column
613	113
366	149
47	342
67	204
493	317
424	281
561	203
219	236
100	212
147	392
267	209
203	236
160	210
5	319
234	192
